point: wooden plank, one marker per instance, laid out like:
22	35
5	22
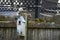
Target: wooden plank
11	24
43	27
1	34
5	21
29	34
32	34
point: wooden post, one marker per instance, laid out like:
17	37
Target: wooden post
25	27
24	31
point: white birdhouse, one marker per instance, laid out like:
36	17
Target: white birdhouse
21	25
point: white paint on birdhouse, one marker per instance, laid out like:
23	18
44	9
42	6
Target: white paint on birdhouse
21	25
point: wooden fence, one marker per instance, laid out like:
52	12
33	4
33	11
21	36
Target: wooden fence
8	32
33	33
40	33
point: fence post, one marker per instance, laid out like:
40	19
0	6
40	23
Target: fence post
25	27
24	32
